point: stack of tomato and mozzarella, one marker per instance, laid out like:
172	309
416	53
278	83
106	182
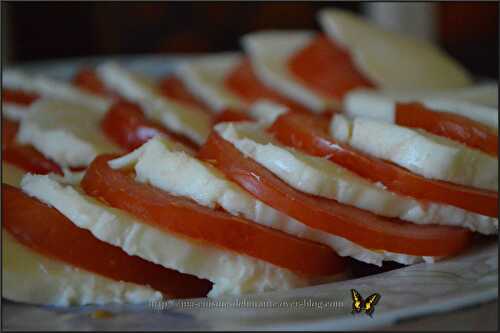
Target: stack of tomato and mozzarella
244	173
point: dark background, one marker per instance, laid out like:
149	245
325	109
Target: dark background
39	30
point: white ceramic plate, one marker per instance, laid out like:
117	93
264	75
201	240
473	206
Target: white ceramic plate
465	280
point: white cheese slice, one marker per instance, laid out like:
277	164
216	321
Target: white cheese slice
321	177
204	76
266	112
269	52
30	277
47	87
390	60
67	133
14	112
485	94
423	153
11	174
159	164
178	117
231	273
377	105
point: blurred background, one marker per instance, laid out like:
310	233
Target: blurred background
39	31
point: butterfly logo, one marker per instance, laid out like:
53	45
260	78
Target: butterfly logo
359	304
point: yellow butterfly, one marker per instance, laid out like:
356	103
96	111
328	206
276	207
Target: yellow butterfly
368	305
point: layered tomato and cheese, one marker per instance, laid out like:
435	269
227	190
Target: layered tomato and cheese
317	71
244	173
142	109
49	125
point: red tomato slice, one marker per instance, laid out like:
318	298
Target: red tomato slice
9	131
327	69
310	134
126	125
88	80
174	88
231	115
184	217
453	126
359	226
243	82
24	157
50	233
18	97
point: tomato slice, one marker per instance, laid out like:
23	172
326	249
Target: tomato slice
243	82
18	97
88	80
24	157
453	126
231	115
47	231
185	217
174	88
126	125
9	131
310	134
327	69
359	226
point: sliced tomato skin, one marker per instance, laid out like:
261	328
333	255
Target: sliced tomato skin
18	97
88	80
126	125
452	126
47	231
232	115
327	68
243	82
361	227
9	131
184	217
22	156
172	87
310	134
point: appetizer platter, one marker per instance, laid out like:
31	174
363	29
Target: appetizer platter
271	187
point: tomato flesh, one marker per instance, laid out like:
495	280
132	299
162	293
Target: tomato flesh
359	226
18	97
24	157
47	231
310	134
88	80
327	69
126	125
185	217
231	115
243	82
174	88
453	126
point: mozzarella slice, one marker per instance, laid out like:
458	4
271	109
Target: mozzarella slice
67	133
28	276
485	94
391	60
204	76
423	153
266	112
177	117
269	52
14	112
377	105
161	165
50	88
321	177
11	174
232	273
